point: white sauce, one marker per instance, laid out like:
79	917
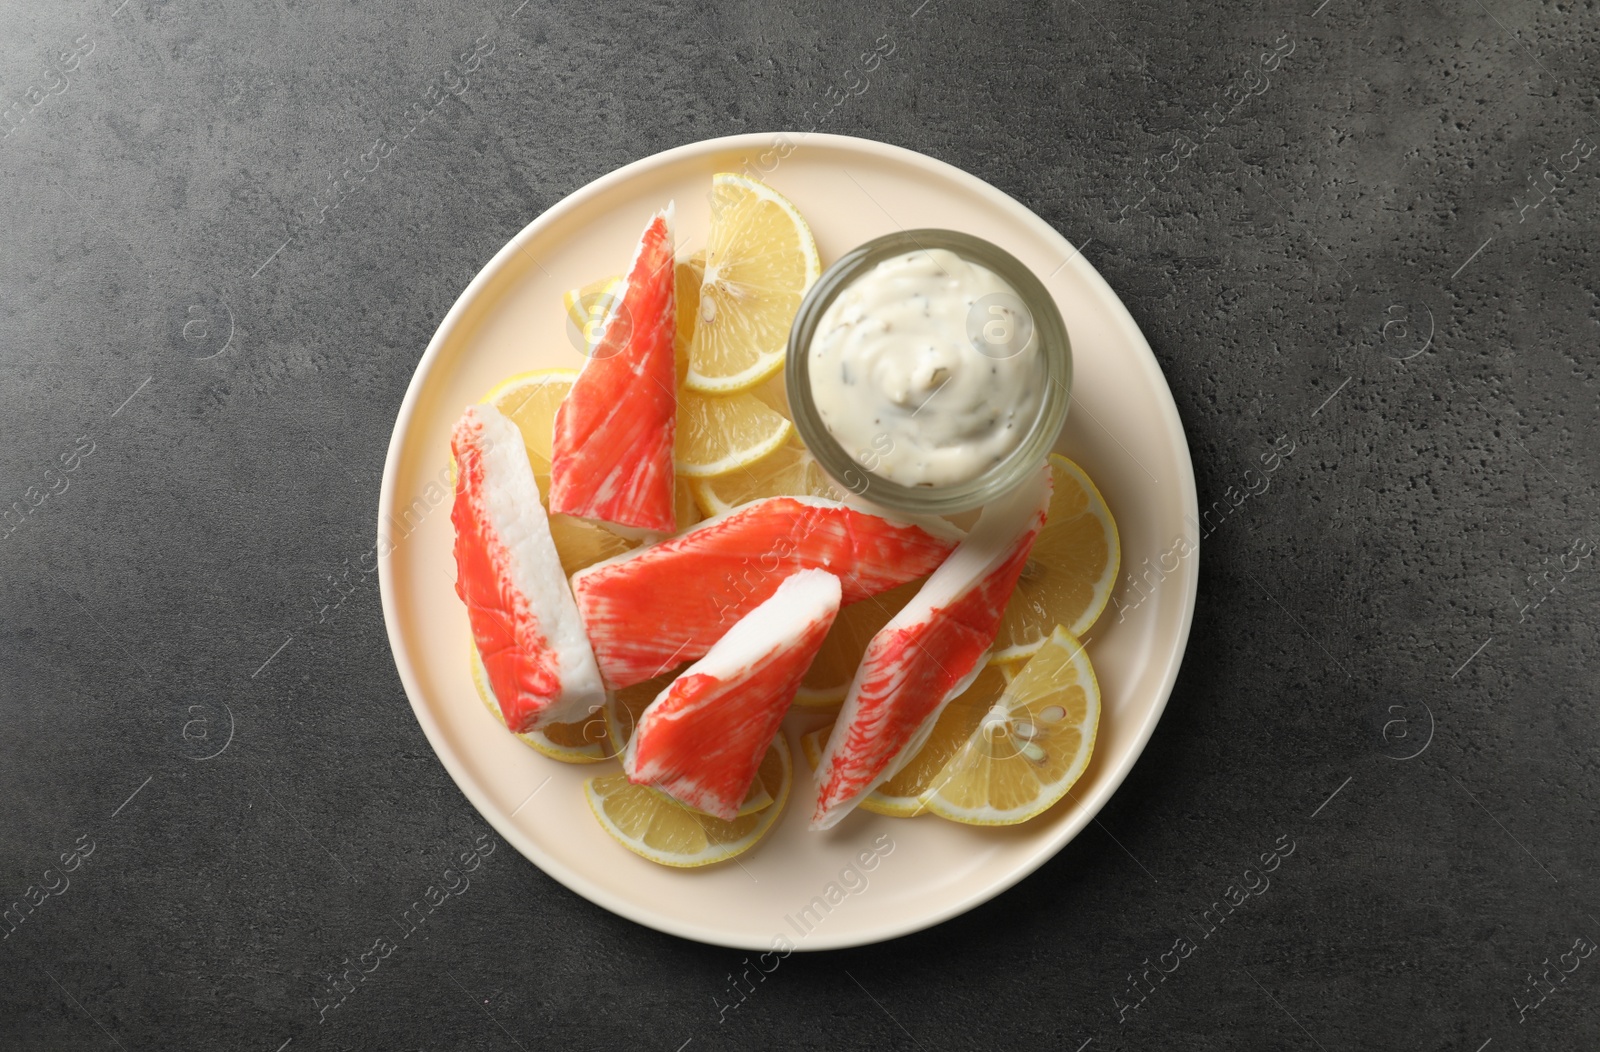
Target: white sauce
926	369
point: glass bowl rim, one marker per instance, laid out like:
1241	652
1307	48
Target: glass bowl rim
1050	331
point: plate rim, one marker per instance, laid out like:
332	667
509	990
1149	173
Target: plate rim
455	765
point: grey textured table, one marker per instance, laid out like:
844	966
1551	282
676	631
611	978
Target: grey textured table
1368	228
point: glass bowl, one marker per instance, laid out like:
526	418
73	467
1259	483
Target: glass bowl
1047	329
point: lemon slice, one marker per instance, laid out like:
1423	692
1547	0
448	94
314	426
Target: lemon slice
1070	572
788	471
775	393
828	679
648	824
760	261
1030	747
531	400
686	279
717	434
903	796
685	507
722	433
811	743
581	543
582	742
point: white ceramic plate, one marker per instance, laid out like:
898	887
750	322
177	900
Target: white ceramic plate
809	890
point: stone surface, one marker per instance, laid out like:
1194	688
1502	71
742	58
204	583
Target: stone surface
1289	231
